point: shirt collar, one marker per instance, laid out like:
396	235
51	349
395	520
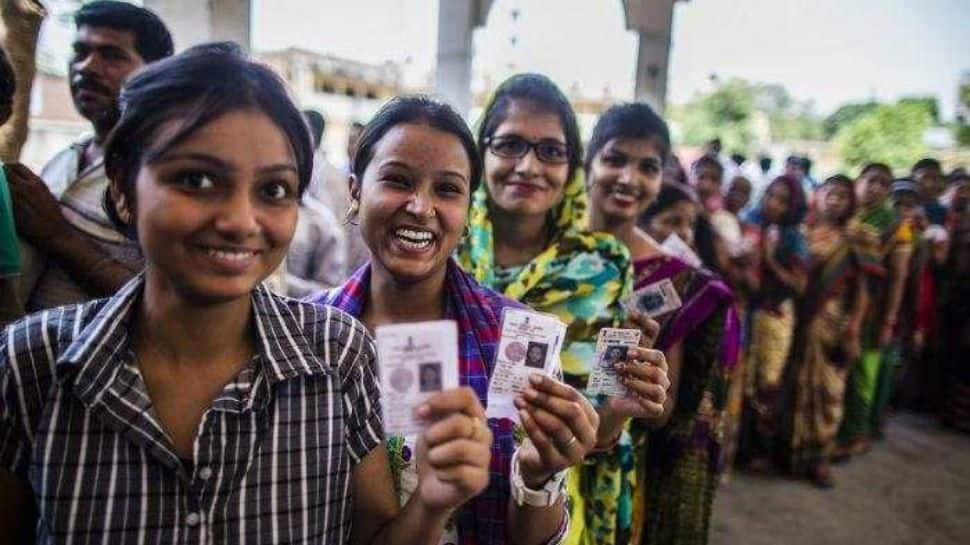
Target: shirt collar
282	346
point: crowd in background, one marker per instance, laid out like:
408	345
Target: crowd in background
192	396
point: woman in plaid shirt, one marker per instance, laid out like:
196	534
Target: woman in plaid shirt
194	406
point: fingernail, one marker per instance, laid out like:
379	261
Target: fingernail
523	415
530	394
519	401
535	378
423	411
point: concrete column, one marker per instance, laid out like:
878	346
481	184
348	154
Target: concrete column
453	73
231	20
653	53
197	21
652	20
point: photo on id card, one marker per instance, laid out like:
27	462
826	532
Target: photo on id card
530	343
654	300
415	362
612	346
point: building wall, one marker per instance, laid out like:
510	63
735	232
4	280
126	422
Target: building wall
54	123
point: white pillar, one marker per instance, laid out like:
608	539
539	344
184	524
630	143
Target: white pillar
653	53
197	21
652	20
453	73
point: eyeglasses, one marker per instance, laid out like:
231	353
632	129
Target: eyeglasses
515	147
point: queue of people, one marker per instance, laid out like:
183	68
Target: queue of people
158	384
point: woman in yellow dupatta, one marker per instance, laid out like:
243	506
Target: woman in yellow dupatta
527	240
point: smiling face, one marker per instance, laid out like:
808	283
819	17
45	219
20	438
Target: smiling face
835	202
526	186
707	179
872	187
738	195
930	181
625	177
103	59
775	203
679	218
215	213
414	198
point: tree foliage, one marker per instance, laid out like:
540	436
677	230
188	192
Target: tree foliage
892	134
845	115
733	110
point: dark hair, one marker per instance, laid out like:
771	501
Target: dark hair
846	182
806	165
927	162
674	171
634	120
316	124
670	194
957	175
195	87
152	38
416	109
797	202
765	163
8	81
708	161
540	92
877	166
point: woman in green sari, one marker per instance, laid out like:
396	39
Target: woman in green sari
871	379
527	240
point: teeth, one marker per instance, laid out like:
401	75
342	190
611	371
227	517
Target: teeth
232	256
414	245
415	236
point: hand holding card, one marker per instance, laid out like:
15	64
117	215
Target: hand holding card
530	343
644	375
561	426
654	300
454	452
612	348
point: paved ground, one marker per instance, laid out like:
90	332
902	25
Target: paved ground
911	489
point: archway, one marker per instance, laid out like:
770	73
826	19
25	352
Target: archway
458	19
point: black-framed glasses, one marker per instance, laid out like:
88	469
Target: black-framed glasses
513	146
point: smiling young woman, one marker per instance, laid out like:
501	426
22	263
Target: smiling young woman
414	172
528	240
679	451
194	404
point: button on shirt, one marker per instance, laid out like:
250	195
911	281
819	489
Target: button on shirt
273	457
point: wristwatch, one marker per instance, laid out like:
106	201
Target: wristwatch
546	496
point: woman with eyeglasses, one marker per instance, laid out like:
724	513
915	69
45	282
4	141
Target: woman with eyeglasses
528	241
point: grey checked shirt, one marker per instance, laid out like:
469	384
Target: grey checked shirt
273	457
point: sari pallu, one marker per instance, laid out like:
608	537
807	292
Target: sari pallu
580	277
478	313
678	465
818	369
